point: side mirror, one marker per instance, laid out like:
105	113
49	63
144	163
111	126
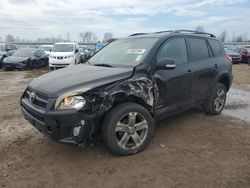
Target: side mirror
50	50
76	50
165	63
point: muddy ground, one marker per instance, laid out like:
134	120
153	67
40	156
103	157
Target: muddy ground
191	149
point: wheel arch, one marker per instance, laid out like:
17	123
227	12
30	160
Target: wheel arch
133	99
225	79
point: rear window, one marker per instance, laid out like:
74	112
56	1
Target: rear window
216	47
198	49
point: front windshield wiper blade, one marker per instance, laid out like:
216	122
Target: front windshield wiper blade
102	65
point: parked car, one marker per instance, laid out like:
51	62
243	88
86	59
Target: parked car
99	46
128	86
46	48
63	55
235	57
245	55
84	54
6	49
26	58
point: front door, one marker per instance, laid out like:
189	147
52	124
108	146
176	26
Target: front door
174	85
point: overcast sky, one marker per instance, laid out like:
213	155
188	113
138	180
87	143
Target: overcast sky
31	19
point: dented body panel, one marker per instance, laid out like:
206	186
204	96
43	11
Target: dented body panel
101	97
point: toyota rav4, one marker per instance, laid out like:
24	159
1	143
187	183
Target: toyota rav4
125	88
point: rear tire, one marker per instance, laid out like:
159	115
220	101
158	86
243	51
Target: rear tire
216	102
127	129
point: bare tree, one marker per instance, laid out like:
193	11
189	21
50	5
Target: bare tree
244	37
107	36
200	28
222	37
68	37
88	37
240	38
9	38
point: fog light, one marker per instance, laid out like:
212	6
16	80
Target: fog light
76	130
83	122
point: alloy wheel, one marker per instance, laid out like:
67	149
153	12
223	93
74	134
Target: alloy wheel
131	130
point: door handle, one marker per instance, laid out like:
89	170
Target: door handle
216	66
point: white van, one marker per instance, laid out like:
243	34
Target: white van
46	48
64	54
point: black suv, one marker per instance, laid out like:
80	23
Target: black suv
6	49
129	85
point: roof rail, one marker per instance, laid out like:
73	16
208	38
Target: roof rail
178	31
135	34
168	31
194	32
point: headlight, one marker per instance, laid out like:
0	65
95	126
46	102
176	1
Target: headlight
72	102
71	99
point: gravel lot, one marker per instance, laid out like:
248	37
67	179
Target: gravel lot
191	149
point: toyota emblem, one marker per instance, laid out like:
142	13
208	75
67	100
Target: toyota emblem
32	97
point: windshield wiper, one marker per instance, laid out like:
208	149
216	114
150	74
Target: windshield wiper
102	65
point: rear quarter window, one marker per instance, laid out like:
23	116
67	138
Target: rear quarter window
198	49
215	46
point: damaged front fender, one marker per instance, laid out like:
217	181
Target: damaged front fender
141	89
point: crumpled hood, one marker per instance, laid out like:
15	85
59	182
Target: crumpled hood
81	76
13	59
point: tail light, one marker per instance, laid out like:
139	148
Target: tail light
229	58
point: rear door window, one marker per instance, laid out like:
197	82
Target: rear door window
198	49
216	47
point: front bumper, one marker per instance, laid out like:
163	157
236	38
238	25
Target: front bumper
58	63
13	65
59	125
236	59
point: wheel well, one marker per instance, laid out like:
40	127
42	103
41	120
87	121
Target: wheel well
134	99
225	81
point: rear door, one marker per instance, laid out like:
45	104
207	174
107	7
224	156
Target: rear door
203	65
174	85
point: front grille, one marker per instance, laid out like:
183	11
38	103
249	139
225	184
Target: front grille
39	100
235	56
33	114
59	65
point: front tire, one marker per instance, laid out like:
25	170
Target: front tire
127	129
216	102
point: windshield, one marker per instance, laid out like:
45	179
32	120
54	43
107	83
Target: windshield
124	53
24	52
229	50
46	48
63	48
247	48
